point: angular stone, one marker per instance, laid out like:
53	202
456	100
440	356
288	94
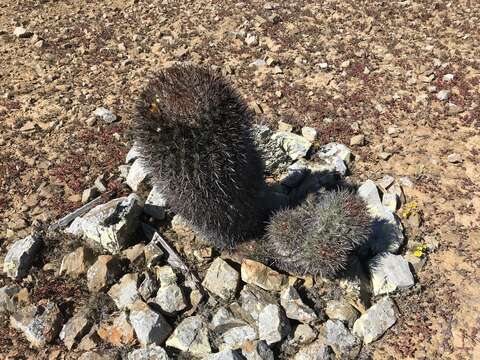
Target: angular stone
132	155
118	332
89	341
137	175
165	275
343	311
386	181
387	229
22	33
110	225
20	256
294	306
294	145
170	298
148	286
284	127
89	194
309	133
135	253
235	336
257	350
273	325
91	355
77	262
149	325
331	151
8	302
224	355
75	329
125	293
40	324
389	273
304	334
103	273
390	201
156	204
261	275
339	338
378	319
317	350
152	352
221	279
105	115
357	140
191	335
253	300
153	254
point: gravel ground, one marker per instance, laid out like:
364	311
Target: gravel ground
345	67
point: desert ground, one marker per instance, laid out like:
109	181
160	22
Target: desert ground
405	74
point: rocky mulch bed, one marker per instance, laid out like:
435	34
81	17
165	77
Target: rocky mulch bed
125	278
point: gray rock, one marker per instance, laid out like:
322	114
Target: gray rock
89	194
110	225
251	40
191	335
234	337
386	181
224	355
221	279
165	275
99	184
253	300
132	155
137	175
294	145
149	325
223	318
309	133
40	324
317	350
258	63
19	257
273	325
170	298
258	274
125	293
103	273
339	338
275	158
148	287
304	334
257	350
156	204
389	273
387	229
75	329
443	95
77	262
454	158
378	319
331	151
153	254
105	115
390	201
284	127
294	306
22	33
357	140
7	298
342	310
152	352
124	170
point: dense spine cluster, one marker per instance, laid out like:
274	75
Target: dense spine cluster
194	136
318	236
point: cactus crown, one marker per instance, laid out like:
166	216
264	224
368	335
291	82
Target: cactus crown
318	236
194	135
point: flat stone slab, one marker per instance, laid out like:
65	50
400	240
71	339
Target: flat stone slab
376	321
191	335
221	279
110	225
390	273
262	276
